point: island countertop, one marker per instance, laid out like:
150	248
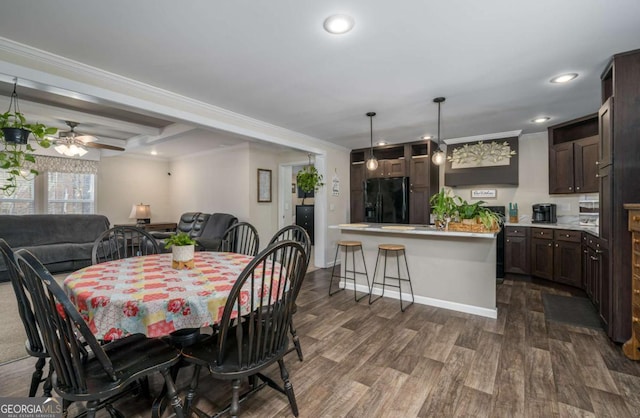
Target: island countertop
411	230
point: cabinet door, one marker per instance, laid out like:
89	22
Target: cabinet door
419	191
605	123
585	157
516	255
395	168
605	179
605	285
305	218
356	182
561	171
542	258
567	262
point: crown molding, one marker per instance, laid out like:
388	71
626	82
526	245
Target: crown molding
136	94
487	137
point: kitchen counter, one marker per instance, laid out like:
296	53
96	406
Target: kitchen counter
593	230
452	270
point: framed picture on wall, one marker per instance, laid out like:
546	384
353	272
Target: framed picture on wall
264	185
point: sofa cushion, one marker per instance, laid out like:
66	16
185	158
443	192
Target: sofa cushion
57	253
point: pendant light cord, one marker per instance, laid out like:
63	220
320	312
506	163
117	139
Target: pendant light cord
439	124
371	133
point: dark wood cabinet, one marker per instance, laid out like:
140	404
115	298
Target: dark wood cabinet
596	279
305	218
398	160
567	257
619	172
573	156
356	185
542	253
516	250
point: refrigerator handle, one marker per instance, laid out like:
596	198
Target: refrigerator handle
379	208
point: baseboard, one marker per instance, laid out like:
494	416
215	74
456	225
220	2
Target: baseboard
438	303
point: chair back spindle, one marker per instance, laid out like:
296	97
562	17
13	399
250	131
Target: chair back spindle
241	238
123	242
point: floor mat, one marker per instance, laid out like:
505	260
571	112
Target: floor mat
570	310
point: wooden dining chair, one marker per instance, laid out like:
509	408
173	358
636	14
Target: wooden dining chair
123	242
34	344
298	234
253	331
241	238
85	370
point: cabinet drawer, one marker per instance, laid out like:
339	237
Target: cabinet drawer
544	233
567	235
634	220
515	231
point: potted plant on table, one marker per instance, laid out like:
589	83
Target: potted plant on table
309	180
443	207
183	250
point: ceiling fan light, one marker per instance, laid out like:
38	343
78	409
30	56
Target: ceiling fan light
81	151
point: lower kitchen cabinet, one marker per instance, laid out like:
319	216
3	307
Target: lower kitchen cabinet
516	250
596	276
567	257
542	253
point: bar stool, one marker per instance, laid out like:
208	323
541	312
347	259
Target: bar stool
397	250
352	246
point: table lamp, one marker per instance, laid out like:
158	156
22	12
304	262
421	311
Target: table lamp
142	214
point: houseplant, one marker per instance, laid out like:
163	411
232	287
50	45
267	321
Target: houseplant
443	207
309	180
16	154
183	250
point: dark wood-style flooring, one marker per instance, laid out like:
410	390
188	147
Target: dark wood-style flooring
375	361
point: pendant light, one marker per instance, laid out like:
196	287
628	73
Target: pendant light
438	157
372	162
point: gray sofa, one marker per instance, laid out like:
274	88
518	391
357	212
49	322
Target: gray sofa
61	242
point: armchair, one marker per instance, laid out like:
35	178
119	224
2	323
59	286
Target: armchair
211	237
190	222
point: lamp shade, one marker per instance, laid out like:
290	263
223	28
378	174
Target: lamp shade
142	213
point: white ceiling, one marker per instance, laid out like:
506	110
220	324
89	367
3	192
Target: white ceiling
273	61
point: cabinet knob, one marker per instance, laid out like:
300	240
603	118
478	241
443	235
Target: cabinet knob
557	245
599	251
594	258
585	251
567	235
578	188
570	188
508	241
597	175
549	245
597	162
636	241
515	231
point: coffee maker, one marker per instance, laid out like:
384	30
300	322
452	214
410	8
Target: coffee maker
544	213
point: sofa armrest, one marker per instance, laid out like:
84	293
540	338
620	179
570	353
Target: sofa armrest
209	244
161	234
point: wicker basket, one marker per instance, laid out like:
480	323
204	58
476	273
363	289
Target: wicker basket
471	227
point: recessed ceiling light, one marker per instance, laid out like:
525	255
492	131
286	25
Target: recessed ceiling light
154	152
427	137
338	24
381	143
541	119
563	78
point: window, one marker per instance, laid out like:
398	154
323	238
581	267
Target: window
22	201
64	185
70	193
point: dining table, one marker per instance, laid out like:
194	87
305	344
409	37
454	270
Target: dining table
146	295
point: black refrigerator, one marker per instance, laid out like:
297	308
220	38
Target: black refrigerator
386	200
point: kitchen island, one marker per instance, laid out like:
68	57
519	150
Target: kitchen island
449	269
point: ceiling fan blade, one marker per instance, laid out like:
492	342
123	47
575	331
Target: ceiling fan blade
103	146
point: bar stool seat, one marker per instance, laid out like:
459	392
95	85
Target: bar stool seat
353	247
397	250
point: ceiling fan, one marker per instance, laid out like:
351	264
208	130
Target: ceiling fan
72	143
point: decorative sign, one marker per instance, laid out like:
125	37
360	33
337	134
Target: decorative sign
484	194
335	188
489	154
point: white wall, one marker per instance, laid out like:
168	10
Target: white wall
533	179
125	181
214	181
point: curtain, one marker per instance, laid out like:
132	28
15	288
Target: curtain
65	165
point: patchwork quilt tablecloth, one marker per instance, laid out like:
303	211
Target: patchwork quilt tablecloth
145	295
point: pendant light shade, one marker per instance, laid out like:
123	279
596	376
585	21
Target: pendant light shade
372	162
438	157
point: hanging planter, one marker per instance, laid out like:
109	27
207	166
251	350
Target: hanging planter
309	180
16	135
16	154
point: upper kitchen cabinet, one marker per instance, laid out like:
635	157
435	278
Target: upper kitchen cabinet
391	162
619	171
573	156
